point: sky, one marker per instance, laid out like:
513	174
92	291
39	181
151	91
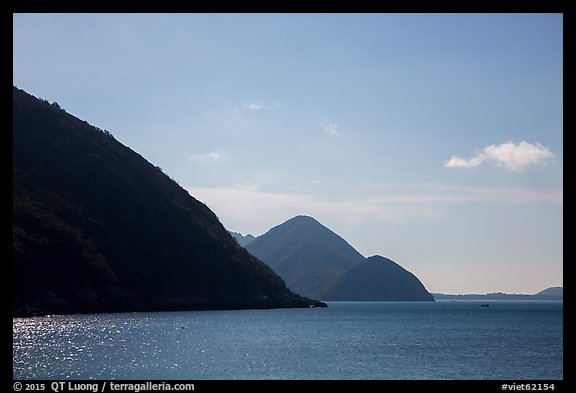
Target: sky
435	140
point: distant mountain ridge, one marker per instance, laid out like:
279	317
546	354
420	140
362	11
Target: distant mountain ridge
243	240
97	228
316	262
552	293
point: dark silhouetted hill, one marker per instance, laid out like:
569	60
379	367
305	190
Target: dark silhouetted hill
557	292
97	228
378	279
316	262
241	239
306	254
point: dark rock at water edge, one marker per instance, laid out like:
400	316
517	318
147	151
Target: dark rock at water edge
97	228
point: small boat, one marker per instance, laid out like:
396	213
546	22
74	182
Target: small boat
484	305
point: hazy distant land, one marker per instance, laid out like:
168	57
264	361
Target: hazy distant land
552	293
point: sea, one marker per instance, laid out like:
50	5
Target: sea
461	340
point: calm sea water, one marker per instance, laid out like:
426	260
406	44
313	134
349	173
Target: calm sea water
347	340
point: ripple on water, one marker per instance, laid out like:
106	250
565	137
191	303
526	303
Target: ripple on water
441	340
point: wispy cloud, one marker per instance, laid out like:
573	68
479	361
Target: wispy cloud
444	194
457	162
331	129
253	106
513	156
259	106
213	155
238	204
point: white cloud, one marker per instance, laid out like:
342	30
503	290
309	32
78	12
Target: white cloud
514	156
331	129
213	155
457	162
518	156
258	106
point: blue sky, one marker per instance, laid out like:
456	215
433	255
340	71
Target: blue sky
432	139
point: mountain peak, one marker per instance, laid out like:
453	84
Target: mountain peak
305	253
303	218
